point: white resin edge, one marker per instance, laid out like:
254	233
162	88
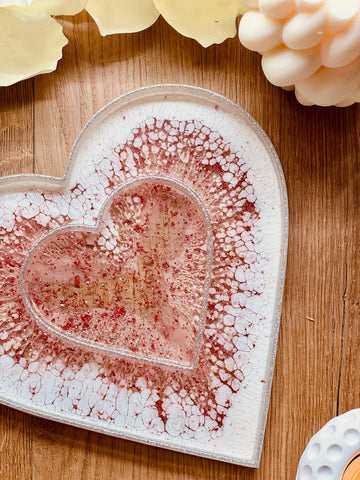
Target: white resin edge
17	182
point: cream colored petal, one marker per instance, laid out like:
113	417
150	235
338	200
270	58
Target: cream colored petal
10	3
342	48
54	7
284	67
305	30
122	16
250	3
302	100
340	12
29	44
305	5
207	21
331	86
353	98
277	8
259	33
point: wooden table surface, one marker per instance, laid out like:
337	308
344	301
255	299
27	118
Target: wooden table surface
317	366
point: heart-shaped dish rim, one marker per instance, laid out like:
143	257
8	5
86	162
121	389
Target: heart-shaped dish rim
15	183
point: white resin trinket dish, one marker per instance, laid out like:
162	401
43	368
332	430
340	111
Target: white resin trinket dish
141	292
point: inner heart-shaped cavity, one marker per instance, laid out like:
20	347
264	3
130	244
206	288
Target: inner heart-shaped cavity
137	283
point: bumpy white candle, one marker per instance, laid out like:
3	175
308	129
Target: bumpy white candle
312	46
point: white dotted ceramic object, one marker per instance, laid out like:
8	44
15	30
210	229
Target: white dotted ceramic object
331	449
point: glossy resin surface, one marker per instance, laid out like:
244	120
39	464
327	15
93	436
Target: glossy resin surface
137	284
141	293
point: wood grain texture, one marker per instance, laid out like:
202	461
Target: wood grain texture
316	373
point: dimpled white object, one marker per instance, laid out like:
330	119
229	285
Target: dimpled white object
330	450
310	46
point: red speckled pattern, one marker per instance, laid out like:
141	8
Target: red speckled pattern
137	285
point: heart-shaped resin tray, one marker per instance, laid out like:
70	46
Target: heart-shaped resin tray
137	284
140	294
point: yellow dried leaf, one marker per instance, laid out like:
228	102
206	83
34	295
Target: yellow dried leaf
29	45
54	7
207	21
122	16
